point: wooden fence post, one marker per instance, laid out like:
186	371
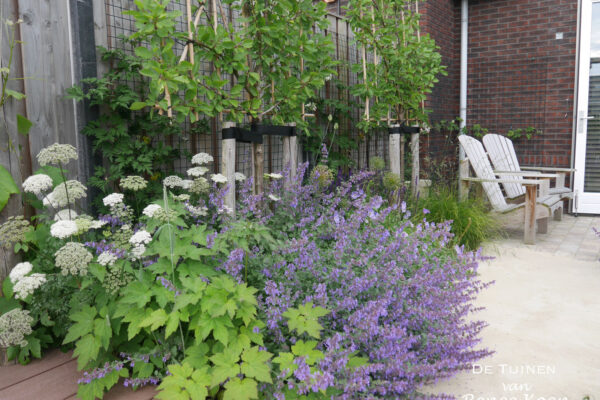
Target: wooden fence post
396	152
258	159
228	166
463	186
414	146
290	156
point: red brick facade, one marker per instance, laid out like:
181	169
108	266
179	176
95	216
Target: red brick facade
521	74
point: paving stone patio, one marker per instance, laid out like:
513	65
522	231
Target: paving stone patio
571	237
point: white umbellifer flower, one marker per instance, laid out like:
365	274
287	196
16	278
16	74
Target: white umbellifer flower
151	209
97	224
56	154
186	184
50	201
181	197
73	258
274	198
198	211
27	284
274	176
66	214
134	182
37	184
137	251
113	199
219	178
202	158
68	192
197	171
173	181
140	237
63	229
106	258
14	326
19	271
240	177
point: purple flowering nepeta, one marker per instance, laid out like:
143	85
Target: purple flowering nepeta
399	297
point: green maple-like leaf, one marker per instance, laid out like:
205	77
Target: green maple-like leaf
307	350
305	319
254	364
241	389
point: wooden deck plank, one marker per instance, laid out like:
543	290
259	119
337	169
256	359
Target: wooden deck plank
13	374
120	392
55	384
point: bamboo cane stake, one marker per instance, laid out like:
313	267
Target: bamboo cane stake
190	45
196	22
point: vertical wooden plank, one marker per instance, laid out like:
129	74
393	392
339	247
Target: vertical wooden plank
46	34
402	155
259	167
395	165
228	166
530	202
414	147
463	186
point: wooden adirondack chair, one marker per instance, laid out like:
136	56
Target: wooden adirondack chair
534	208
501	151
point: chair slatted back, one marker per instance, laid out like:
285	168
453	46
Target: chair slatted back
503	156
483	169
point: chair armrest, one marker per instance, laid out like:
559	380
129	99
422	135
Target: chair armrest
531	174
548	169
525	182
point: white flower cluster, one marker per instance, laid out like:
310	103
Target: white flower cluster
173	181
202	158
56	154
219	178
24	284
197	171
198	211
97	224
73	258
67	193
63	229
274	198
66	214
151	210
19	271
27	284
106	258
200	185
274	176
240	177
14	326
134	182
182	197
140	237
186	184
37	184
50	201
113	199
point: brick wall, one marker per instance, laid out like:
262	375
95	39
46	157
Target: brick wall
441	20
521	75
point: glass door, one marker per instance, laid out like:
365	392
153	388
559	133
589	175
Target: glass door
587	144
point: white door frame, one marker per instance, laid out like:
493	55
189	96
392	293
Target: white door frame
587	203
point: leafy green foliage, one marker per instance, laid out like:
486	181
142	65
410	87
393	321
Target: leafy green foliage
7	186
130	143
262	55
305	319
409	62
